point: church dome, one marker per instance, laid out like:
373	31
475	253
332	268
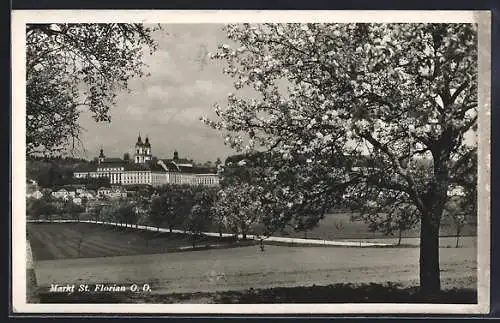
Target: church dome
146	143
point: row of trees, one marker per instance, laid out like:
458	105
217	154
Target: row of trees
234	208
181	206
51	172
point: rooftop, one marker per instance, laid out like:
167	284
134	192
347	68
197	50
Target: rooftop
112	160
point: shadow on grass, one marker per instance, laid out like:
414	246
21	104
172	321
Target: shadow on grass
337	293
347	293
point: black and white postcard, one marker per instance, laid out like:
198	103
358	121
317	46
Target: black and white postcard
251	162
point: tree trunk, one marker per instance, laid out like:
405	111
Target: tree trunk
458	237
399	237
430	283
434	200
170	228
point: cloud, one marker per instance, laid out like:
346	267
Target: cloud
183	85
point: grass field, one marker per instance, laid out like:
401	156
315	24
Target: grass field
326	229
230	269
61	240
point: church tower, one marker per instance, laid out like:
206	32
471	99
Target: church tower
101	157
147	150
139	147
142	151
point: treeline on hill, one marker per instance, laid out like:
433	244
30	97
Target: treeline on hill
52	172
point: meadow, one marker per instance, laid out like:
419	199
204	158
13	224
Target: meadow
339	226
51	241
118	256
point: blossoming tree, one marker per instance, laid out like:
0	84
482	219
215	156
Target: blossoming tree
239	206
323	95
75	66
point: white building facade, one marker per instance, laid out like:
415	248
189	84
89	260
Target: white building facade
144	171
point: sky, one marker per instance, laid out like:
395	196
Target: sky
183	85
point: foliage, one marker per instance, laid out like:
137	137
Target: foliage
96	211
119	211
158	211
51	172
328	95
197	221
125	212
143	208
286	199
240	207
201	214
172	205
40	208
70	66
72	209
106	213
182	206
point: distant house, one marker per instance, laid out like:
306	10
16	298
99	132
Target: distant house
60	194
35	194
117	192
87	195
456	190
103	191
77	200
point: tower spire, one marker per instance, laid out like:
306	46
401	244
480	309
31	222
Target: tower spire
101	156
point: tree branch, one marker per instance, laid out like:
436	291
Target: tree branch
412	190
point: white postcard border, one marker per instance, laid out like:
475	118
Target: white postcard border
21	17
